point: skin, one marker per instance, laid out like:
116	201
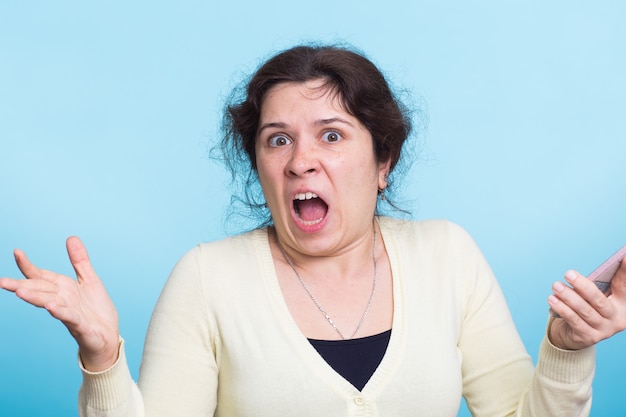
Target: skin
324	150
307	143
346	175
587	315
82	305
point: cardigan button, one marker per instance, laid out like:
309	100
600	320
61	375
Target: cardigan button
359	400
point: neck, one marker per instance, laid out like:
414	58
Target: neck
346	263
317	303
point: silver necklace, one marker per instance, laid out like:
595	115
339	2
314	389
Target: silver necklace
319	306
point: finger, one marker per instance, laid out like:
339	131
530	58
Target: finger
39	295
60	311
31	271
10	284
561	302
570	332
592	295
579	325
37	285
22	287
79	259
28	269
582	298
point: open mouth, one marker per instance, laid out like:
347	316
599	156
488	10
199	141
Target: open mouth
309	208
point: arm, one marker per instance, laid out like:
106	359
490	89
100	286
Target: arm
110	393
498	377
86	310
178	374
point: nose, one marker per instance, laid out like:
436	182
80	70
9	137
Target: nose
303	159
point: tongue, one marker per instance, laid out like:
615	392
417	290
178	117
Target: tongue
312	209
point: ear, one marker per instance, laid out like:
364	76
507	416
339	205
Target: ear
383	174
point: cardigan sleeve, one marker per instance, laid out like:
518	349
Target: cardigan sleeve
111	392
498	376
562	382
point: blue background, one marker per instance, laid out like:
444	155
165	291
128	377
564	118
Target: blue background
108	111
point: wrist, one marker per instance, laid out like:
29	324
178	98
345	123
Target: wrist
102	360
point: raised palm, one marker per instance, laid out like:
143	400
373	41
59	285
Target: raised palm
81	304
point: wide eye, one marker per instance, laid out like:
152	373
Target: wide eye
279	140
332	136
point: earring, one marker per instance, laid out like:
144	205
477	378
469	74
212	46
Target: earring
381	191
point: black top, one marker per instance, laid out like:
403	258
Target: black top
354	359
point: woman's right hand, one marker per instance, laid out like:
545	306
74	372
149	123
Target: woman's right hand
83	305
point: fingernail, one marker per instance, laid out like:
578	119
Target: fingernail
552	300
558	287
571	276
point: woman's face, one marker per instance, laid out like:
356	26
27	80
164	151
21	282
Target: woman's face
318	170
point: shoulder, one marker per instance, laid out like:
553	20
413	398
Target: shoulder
429	241
233	245
221	266
231	253
433	231
438	252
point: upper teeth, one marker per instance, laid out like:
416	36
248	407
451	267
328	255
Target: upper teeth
305	196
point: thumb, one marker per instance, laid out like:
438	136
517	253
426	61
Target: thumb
79	259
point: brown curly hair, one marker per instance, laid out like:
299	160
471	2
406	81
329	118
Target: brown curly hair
359	85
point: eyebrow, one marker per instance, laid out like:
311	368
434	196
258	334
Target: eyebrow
319	122
277	125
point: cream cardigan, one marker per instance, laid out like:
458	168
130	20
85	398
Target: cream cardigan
222	342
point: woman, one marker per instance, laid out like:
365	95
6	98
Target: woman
330	309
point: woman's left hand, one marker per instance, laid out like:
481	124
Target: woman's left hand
585	315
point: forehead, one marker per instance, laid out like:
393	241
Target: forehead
290	96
